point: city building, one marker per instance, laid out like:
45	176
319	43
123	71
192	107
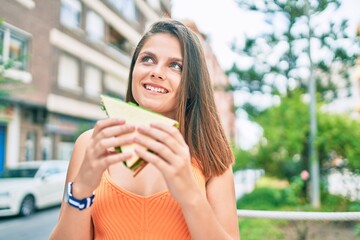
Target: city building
63	54
224	99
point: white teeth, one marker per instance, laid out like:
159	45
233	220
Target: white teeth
155	89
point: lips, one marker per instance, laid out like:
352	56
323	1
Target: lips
155	88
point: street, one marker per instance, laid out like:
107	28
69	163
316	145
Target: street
35	227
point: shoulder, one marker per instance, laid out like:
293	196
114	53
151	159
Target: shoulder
78	153
84	137
81	144
221	188
226	178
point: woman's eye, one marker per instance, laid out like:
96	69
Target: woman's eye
147	59
176	66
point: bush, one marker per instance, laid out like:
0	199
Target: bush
260	229
335	203
255	200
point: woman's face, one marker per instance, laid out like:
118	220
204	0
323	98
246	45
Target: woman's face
157	74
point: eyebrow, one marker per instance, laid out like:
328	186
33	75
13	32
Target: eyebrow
154	55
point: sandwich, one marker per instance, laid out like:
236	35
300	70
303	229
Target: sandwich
137	116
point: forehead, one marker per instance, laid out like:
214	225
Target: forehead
163	42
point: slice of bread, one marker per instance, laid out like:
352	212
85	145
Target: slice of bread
137	116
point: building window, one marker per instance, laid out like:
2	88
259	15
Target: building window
70	13
30	146
95	26
92	81
13	48
30	4
69	73
126	8
119	42
155	4
65	147
46	147
115	86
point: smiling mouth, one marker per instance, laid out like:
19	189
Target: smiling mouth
155	89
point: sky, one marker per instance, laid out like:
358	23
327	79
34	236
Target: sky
223	22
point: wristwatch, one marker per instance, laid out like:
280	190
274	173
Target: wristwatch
80	204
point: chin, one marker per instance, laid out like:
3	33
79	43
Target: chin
149	105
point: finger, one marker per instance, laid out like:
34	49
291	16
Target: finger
151	158
115	158
105	144
99	145
157	147
171	130
101	124
160	136
113	131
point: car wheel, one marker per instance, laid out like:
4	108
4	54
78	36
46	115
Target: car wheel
27	206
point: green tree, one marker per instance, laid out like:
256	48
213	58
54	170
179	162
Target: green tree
300	53
339	138
280	60
283	150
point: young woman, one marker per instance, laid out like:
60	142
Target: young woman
186	191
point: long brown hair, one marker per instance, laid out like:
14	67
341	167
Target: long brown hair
196	110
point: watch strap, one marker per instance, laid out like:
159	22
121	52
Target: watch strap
80	204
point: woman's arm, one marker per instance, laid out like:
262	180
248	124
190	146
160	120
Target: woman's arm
213	217
90	158
208	217
74	224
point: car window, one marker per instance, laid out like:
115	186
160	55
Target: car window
19	173
55	170
51	171
63	168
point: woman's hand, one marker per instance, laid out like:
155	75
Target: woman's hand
170	154
99	154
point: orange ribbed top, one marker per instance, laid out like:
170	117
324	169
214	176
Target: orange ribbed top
120	214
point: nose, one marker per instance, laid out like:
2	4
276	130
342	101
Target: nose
158	73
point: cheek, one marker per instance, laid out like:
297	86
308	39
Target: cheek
135	74
135	84
136	78
176	85
139	73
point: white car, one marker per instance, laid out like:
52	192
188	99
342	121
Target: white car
32	185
